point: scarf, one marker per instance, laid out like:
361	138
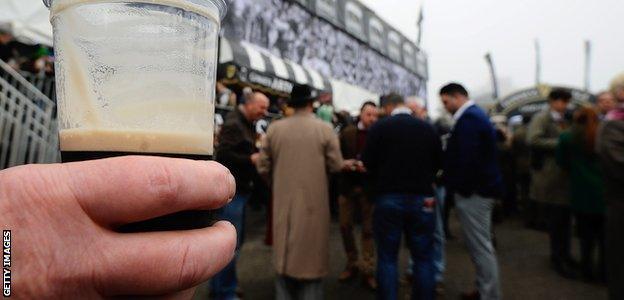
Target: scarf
616	114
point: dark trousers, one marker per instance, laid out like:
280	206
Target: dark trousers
395	214
560	230
522	186
449	202
591	230
537	215
347	204
615	250
510	199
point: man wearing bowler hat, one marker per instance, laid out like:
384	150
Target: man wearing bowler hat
297	154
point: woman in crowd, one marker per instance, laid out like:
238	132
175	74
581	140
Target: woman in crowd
576	154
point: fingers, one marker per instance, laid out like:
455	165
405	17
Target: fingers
165	262
124	190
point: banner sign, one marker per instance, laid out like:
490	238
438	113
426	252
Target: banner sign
534	100
272	82
340	39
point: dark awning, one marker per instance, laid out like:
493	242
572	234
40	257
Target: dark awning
261	67
242	62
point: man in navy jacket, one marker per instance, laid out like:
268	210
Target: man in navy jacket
471	172
402	155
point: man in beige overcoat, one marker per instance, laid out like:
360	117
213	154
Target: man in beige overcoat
297	155
549	184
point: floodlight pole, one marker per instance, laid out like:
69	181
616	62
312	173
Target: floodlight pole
588	48
490	62
538	63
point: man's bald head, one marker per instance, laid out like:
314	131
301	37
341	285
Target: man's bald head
256	106
258	96
418	110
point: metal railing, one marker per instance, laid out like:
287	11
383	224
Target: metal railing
25	87
28	127
44	83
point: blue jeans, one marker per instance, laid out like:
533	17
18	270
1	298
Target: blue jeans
439	239
413	215
224	284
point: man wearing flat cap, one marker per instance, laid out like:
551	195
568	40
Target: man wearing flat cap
297	155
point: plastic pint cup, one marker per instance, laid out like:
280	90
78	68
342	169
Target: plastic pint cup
137	77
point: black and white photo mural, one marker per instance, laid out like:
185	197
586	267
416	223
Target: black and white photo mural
340	39
376	35
354	20
328	9
394	45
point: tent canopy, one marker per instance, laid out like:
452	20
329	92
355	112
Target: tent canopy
249	56
28	20
350	98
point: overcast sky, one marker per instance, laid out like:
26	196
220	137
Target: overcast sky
458	33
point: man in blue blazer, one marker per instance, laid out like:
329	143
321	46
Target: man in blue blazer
471	172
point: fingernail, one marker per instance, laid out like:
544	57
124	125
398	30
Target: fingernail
232	185
223	223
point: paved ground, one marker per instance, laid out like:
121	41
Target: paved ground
522	257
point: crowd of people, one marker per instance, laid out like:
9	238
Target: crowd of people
573	180
398	169
35	59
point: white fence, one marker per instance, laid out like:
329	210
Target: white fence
28	128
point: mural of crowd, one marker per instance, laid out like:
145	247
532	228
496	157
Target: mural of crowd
287	30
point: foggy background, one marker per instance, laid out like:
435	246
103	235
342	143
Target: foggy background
458	33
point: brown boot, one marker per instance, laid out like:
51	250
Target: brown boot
440	291
370	282
407	279
474	295
348	274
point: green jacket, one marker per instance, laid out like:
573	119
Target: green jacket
583	167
